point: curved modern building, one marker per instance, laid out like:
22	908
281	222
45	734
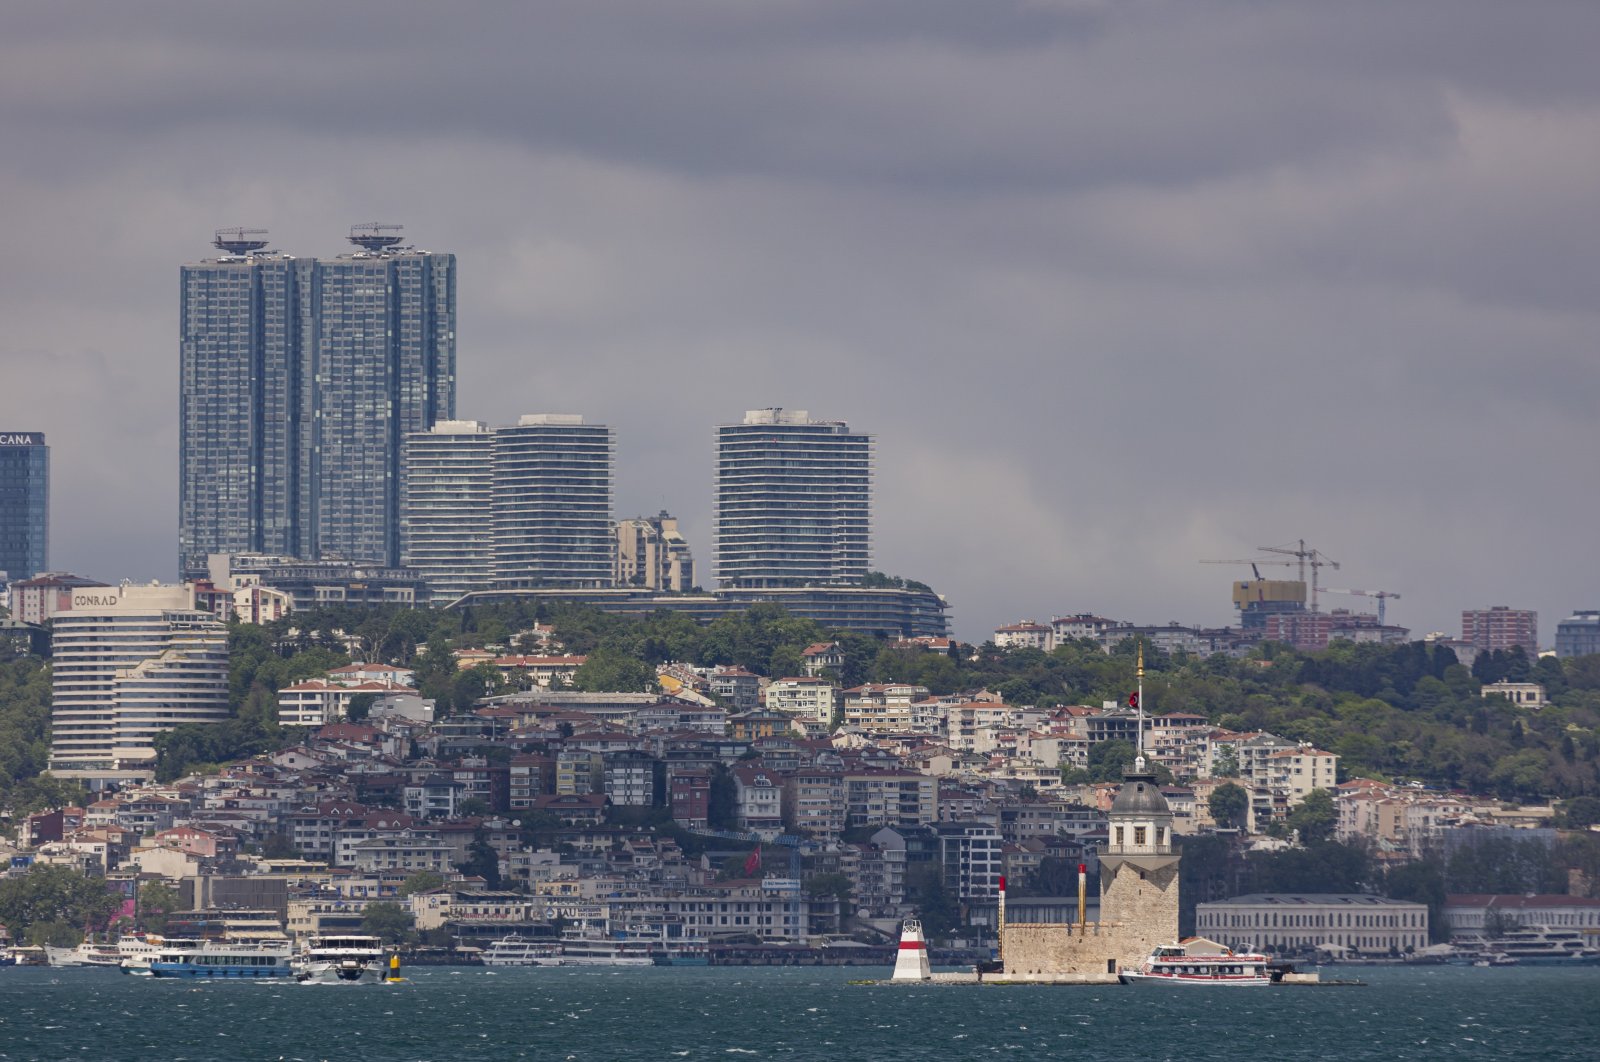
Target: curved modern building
552	503
793	501
129	663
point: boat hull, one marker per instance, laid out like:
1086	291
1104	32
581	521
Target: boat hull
339	973
1194	980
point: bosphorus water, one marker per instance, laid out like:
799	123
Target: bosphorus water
458	1013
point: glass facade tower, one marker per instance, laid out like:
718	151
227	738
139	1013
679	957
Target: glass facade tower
299	379
793	501
24	505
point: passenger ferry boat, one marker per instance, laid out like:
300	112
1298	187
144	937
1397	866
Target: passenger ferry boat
1199	962
86	954
580	949
522	951
216	959
344	958
1543	946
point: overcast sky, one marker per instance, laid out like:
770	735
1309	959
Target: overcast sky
1116	286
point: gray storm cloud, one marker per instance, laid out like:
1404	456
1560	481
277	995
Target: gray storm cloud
1116	286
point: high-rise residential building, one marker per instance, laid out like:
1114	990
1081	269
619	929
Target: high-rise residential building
652	554
1579	634
299	379
24	505
446	501
1500	627
793	501
129	663
552	503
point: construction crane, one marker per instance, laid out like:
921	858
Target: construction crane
1316	559
1383	597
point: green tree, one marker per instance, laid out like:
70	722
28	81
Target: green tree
936	907
51	893
1314	817
388	921
1421	881
157	901
1228	805
612	671
360	707
837	885
722	801
421	881
482	860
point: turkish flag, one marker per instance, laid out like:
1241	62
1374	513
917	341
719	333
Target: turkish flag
753	864
1133	699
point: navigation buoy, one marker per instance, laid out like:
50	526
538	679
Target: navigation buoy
911	964
394	969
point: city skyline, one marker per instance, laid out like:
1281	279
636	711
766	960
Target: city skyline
1100	328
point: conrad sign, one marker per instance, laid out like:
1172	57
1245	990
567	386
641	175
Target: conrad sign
93	599
21	438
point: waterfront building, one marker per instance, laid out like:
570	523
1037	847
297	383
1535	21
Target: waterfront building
1578	634
129	663
793	501
1501	627
24	505
652	553
298	380
1290	922
552	503
1474	917
446	497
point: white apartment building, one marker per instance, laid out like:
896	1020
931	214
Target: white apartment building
318	702
131	662
1297	771
1025	634
882	708
793	501
446	490
811	699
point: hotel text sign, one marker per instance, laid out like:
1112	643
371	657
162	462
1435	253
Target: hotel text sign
21	438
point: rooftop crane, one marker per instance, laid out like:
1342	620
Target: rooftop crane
1313	557
1383	597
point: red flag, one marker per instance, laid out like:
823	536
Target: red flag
1133	699
753	864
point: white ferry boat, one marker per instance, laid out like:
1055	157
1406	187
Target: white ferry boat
1199	962
344	958
522	951
585	950
216	959
1543	946
86	954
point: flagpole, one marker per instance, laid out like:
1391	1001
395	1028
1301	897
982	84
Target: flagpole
1138	761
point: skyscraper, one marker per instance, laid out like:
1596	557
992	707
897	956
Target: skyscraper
793	501
129	663
24	505
446	498
552	503
299	379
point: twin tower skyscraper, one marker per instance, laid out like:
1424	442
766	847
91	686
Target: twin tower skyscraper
300	379
318	421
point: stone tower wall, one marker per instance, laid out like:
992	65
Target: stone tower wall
1145	906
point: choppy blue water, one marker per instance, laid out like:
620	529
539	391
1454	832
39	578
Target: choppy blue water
689	1013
